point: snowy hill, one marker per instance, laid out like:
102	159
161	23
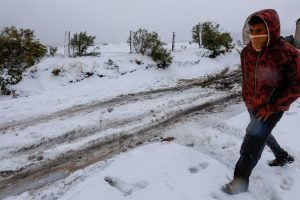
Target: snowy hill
73	87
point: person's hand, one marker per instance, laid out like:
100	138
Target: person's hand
265	112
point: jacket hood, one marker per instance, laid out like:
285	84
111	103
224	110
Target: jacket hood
272	22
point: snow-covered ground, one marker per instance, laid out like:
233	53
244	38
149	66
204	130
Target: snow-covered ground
113	74
193	166
90	100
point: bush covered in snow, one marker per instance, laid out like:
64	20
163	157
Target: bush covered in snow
149	43
52	50
161	56
212	38
80	44
143	41
19	50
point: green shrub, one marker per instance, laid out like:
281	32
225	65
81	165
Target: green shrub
212	38
149	43
19	50
80	44
144	41
52	50
161	56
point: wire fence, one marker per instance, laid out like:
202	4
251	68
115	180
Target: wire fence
107	49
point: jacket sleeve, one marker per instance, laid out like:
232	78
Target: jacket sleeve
243	75
292	91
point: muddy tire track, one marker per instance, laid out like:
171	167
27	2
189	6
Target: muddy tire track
220	81
77	134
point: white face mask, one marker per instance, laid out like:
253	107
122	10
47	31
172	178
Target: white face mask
258	41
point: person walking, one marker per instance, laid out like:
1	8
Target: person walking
271	83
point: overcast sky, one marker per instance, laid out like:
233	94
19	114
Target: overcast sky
111	20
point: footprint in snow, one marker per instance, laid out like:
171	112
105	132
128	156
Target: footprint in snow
200	166
169	182
286	183
125	187
227	145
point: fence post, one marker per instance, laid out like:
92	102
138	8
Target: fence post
67	44
200	35
173	41
65	50
131	41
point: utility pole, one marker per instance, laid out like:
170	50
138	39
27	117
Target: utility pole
173	41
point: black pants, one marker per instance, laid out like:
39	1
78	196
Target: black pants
258	134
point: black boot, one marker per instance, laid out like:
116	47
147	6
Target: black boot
281	160
236	186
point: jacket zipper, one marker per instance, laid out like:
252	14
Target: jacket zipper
255	80
271	94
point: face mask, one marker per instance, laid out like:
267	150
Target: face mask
258	41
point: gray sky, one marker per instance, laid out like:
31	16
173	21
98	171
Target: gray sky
111	20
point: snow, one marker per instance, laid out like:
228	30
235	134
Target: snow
168	172
179	170
48	93
76	125
193	166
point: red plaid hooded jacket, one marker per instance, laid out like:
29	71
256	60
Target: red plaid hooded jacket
271	77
